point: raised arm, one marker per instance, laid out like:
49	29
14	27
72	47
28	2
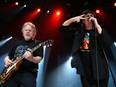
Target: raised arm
73	19
96	24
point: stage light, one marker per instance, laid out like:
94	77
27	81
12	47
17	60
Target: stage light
38	9
97	11
4	41
16	3
57	13
115	4
115	43
70	57
24	5
48	11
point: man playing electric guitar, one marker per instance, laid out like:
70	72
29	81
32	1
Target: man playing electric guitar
26	74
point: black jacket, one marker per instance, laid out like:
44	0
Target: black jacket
76	62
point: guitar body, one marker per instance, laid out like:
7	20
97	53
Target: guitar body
8	71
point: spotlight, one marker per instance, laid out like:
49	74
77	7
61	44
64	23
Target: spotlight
115	43
4	41
58	13
115	4
38	9
48	11
16	3
97	11
70	57
24	5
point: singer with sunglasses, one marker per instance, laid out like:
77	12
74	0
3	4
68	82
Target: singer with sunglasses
88	57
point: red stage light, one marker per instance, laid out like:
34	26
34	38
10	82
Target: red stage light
58	13
97	11
38	9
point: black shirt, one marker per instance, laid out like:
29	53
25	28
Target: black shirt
19	49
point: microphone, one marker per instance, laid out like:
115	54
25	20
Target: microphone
91	19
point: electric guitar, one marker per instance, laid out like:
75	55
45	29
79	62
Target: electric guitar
8	71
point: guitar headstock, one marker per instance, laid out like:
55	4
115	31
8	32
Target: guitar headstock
48	43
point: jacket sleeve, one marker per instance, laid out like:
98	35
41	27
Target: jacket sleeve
105	38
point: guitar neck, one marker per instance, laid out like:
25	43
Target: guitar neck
35	48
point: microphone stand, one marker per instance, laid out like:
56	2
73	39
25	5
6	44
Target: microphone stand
96	53
114	81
